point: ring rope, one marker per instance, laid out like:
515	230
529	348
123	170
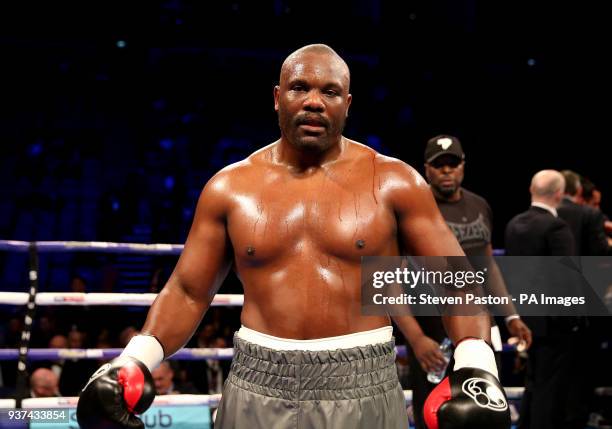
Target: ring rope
93	246
109	247
95	298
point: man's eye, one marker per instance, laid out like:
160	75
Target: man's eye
298	88
331	92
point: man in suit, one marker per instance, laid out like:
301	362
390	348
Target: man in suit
540	231
556	359
588	228
586	222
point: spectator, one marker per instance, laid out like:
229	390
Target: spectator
585	222
592	197
126	335
57	342
163	376
75	372
165	380
78	284
43	384
217	370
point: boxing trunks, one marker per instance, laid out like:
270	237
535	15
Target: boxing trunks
338	382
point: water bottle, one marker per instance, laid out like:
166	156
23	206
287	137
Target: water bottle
446	347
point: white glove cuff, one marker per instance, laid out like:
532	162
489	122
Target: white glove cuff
473	353
146	349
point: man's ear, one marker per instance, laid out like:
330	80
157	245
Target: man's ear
276	95
349	98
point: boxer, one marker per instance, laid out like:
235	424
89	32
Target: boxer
293	220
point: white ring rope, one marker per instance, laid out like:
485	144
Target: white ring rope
92	246
75	298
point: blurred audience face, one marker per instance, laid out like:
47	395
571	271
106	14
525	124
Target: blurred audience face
445	175
162	376
45	324
126	335
58	342
75	340
219	343
77	284
595	200
206	335
16	325
44	383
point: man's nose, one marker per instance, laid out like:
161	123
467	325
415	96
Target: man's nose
447	169
314	102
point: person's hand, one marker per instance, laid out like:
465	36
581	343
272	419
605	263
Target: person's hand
521	332
114	394
427	352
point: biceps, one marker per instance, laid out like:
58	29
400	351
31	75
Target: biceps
205	260
429	236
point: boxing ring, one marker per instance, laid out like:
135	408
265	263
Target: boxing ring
184	411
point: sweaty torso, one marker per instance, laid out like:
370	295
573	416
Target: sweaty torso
298	239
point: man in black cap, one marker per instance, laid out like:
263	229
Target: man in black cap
469	217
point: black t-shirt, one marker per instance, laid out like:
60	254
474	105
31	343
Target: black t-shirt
470	219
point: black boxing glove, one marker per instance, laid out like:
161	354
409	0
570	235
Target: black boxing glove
114	394
471	396
122	388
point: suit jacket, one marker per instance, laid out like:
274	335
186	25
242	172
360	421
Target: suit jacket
537	232
587	226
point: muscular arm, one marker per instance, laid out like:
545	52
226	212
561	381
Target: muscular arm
202	267
496	284
423	232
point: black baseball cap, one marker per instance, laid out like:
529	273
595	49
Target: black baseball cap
443	145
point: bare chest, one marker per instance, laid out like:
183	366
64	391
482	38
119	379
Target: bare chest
320	216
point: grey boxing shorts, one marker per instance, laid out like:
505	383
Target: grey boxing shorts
343	388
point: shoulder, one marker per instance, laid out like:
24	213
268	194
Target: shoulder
595	215
521	217
474	198
397	182
530	219
236	177
559	228
393	170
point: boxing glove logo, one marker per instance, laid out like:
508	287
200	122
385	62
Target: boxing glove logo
485	394
97	374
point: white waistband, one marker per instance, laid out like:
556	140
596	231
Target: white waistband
358	339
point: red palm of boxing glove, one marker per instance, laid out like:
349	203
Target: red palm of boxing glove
471	396
116	392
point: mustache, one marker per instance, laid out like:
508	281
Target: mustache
309	118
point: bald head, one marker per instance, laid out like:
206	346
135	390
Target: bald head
318	49
44	383
312	100
547	186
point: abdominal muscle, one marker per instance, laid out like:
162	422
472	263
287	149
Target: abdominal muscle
305	300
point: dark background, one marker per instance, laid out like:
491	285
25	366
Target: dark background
114	114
